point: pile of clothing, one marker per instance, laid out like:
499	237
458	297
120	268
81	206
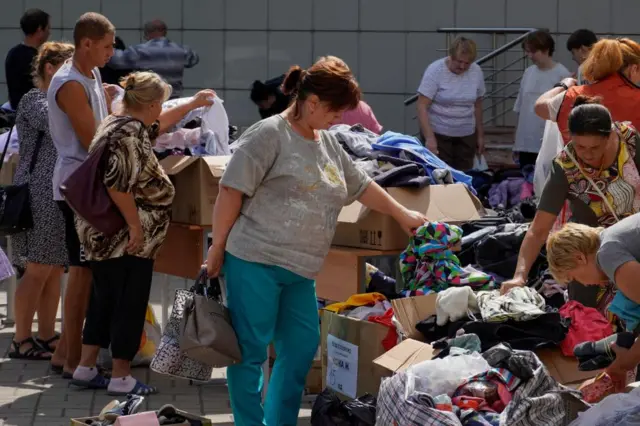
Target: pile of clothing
396	160
498	388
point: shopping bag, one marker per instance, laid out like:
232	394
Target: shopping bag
552	144
149	342
206	331
169	358
480	163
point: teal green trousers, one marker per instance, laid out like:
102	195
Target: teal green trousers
269	303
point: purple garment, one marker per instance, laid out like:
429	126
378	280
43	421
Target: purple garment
506	194
6	270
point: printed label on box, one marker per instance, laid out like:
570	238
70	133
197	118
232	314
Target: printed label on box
342	366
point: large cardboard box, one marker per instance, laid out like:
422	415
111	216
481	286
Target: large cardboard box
196	181
361	228
349	347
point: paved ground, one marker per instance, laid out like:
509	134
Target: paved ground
30	395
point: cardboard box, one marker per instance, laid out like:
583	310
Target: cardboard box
343	273
196	181
409	352
359	227
182	253
202	421
349	347
411	310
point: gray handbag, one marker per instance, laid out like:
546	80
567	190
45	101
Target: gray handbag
169	359
206	331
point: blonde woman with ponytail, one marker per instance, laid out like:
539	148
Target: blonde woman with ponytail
122	265
613	67
41	251
599	257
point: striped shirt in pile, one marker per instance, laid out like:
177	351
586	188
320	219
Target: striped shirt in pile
160	55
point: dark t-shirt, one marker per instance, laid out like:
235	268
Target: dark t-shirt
280	104
18	67
557	189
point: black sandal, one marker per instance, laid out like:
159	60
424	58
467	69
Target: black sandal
46	344
34	353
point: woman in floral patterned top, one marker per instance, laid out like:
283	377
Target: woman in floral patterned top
597	173
122	265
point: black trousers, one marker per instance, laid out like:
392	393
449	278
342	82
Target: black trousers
118	304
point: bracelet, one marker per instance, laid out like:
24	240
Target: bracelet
561	84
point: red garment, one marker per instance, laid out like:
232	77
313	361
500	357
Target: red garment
587	325
618	94
392	335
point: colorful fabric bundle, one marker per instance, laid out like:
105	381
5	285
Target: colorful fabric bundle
429	264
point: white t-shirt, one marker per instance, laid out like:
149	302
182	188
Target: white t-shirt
535	82
453	97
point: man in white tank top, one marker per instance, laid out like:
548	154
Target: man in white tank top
77	104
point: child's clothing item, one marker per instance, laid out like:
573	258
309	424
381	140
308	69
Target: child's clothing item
429	264
455	303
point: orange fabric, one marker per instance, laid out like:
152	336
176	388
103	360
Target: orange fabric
620	96
364	299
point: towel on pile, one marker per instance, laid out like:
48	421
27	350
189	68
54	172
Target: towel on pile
429	264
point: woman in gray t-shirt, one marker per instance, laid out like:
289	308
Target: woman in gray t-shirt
598	257
273	223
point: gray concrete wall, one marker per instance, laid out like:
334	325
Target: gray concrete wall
388	43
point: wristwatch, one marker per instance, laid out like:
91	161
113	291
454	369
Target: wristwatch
561	84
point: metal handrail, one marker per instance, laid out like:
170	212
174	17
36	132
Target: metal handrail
481	30
489	56
493	74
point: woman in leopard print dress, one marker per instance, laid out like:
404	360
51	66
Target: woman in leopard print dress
41	250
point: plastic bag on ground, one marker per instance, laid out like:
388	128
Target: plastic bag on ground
329	410
445	375
149	342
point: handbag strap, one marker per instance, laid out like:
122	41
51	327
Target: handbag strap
212	291
6	146
605	200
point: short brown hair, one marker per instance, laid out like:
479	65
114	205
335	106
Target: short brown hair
539	41
51	52
93	26
330	79
464	46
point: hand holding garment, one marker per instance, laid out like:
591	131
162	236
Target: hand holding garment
455	303
519	304
598	355
429	264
